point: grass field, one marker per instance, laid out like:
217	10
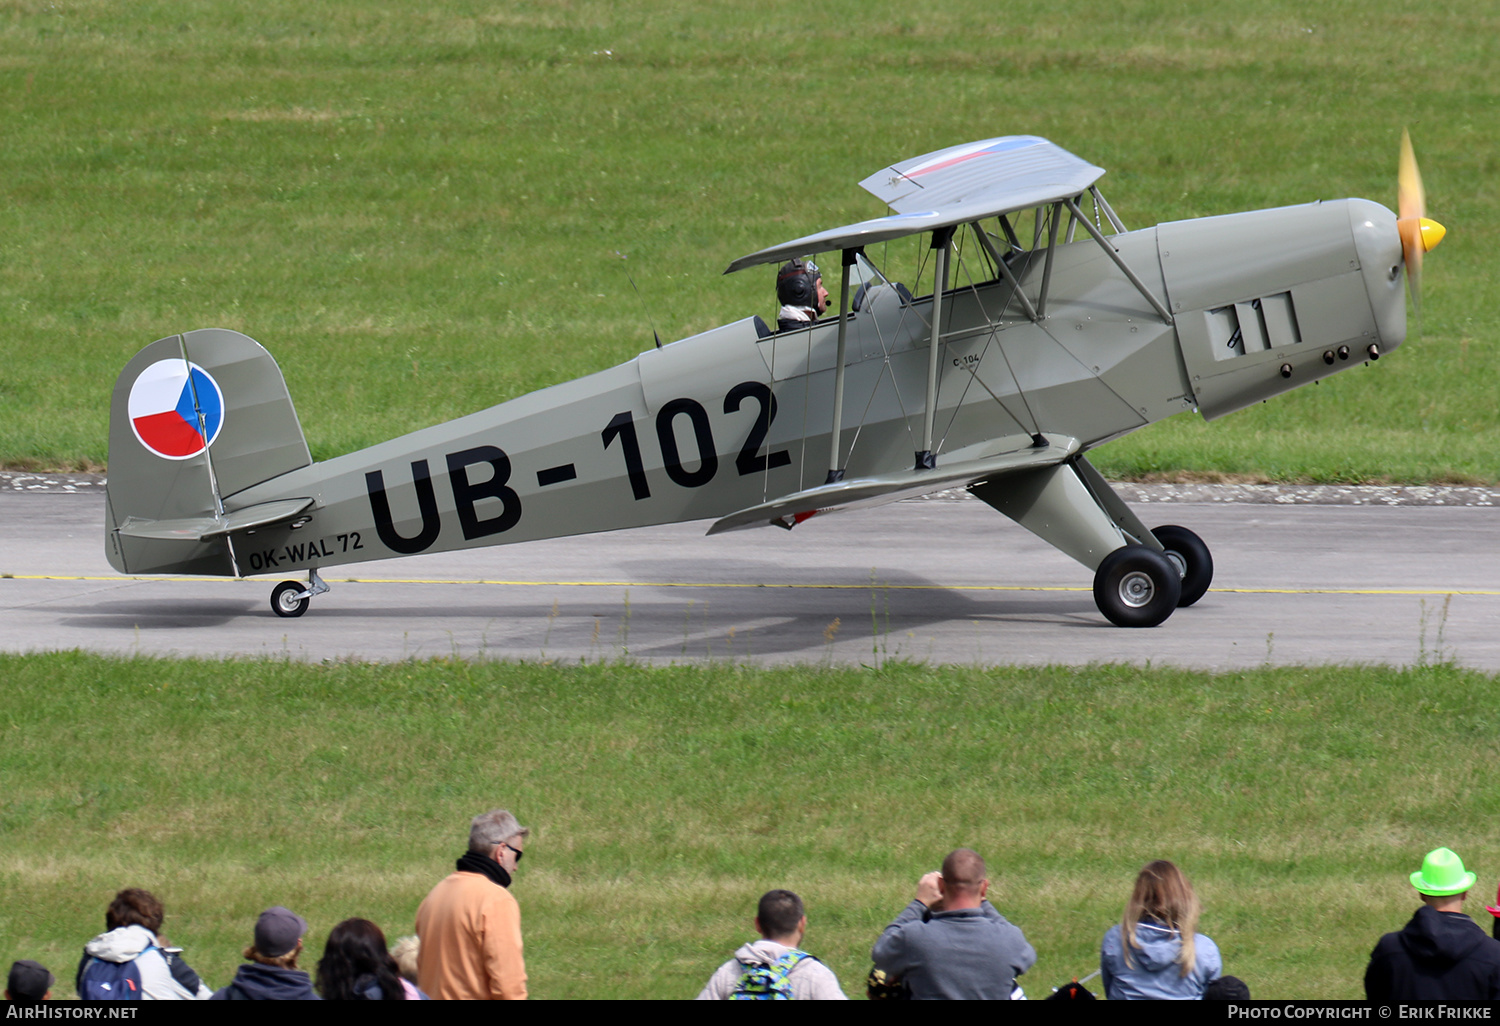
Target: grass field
422	210
666	801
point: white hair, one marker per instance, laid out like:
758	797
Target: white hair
492	828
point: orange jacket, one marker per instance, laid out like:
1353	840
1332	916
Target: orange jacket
470	929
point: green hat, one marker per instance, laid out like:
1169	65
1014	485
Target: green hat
1442	874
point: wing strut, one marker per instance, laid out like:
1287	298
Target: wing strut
1005	271
1109	211
1119	261
942	239
835	468
1055	218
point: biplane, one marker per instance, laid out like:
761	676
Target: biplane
1048	330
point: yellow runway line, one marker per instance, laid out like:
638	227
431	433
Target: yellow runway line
806	587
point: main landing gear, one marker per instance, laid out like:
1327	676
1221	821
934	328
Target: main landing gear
291	598
1071	506
1137	586
1194	563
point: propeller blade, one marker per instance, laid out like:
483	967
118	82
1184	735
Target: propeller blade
1411	200
1411	206
1418	232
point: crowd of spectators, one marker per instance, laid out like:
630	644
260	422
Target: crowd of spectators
949	942
467	946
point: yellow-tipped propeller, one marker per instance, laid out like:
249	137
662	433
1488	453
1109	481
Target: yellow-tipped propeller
1419	233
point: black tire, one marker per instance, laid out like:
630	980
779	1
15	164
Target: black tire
1193	561
1137	586
282	602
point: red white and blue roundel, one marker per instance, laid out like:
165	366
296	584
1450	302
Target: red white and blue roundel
165	403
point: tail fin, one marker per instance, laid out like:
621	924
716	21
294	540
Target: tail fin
194	419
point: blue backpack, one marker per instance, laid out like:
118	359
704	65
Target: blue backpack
769	982
101	980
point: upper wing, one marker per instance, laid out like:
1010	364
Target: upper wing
860	493
953	186
1014	172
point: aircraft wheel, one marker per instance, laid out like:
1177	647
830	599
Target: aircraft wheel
1137	586
1193	560
284	601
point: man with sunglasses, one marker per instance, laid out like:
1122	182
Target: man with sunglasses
469	925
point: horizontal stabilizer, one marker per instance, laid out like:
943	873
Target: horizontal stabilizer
861	493
201	529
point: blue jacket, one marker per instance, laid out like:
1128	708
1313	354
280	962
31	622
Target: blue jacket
1156	974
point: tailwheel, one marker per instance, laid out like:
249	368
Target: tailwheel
290	598
1193	560
1137	586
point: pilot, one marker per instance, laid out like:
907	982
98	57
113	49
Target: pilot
800	291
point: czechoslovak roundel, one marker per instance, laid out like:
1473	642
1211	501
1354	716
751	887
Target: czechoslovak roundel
164	405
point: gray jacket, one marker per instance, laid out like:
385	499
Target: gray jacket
970	954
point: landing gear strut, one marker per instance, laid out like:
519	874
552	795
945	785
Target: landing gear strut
291	598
